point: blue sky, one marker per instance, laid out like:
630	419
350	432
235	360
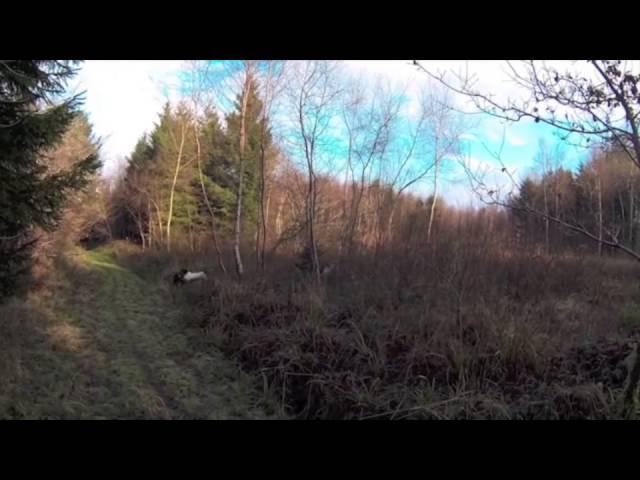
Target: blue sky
123	99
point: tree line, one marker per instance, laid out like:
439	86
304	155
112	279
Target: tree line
600	198
203	176
258	157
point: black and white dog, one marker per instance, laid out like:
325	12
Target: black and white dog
185	276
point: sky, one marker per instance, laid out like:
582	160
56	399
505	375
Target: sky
124	97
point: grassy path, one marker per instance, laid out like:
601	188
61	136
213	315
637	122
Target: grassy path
108	345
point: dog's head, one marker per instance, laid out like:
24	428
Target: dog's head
178	278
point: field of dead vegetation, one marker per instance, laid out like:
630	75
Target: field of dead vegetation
469	333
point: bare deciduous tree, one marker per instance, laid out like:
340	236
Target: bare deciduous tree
225	81
199	105
599	106
312	91
270	77
178	164
444	129
369	122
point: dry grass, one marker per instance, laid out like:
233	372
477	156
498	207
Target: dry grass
469	332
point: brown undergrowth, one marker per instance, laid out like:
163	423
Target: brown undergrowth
469	333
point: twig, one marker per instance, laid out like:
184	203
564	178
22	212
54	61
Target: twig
427	408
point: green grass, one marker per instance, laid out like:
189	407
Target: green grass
102	343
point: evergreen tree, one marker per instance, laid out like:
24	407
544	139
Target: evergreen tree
219	190
223	167
142	154
33	119
83	208
162	181
174	162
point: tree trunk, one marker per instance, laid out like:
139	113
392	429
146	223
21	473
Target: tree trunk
357	193
141	230
139	224
600	228
173	185
237	228
631	212
205	196
150	235
191	240
557	237
311	207
278	221
263	221
433	203
267	208
160	226
546	218
623	213
264	229
238	222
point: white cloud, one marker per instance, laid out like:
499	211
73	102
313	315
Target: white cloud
494	134
495	130
476	163
469	136
491	75
459	194
124	96
123	99
515	140
400	72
